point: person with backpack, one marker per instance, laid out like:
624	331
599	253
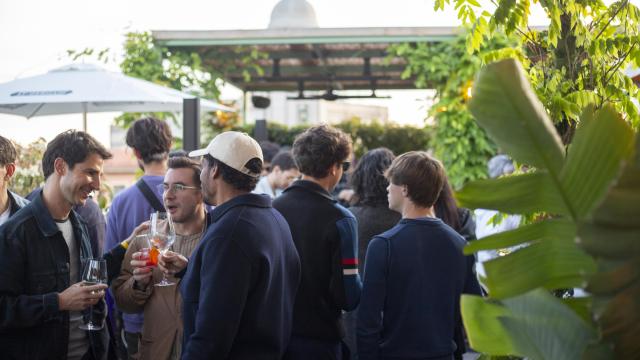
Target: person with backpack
150	139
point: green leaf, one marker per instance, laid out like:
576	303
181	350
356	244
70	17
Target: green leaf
508	109
550	264
519	194
542	327
602	141
484	329
582	307
617	243
550	230
612	235
535	325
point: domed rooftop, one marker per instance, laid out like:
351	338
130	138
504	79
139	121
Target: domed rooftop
289	14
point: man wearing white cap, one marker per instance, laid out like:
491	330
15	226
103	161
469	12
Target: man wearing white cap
240	283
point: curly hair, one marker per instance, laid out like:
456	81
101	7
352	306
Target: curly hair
319	148
368	180
73	147
151	137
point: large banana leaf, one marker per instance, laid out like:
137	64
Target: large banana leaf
569	189
550	264
536	325
601	143
514	194
486	333
612	235
506	106
552	230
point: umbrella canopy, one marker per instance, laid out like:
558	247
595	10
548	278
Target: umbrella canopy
82	88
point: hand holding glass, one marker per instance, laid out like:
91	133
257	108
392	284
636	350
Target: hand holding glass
162	237
95	272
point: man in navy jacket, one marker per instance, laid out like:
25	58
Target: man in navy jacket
415	272
42	250
325	235
242	278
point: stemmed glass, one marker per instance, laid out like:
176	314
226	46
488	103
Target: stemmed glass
95	272
162	236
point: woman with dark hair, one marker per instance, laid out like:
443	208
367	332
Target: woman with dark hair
371	208
369	203
459	219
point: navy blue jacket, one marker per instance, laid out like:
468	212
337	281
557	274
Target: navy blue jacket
413	278
326	236
34	268
91	214
16	202
240	284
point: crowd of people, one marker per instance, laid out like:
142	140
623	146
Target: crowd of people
267	262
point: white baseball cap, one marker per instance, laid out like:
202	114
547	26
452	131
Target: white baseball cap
234	149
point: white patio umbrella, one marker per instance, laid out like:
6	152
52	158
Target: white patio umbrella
84	88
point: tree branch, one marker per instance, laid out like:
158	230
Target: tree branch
622	5
617	66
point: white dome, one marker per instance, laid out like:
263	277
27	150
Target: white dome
289	14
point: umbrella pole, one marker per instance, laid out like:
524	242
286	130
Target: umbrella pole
84	121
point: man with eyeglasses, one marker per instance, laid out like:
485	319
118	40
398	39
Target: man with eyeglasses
325	235
134	290
150	140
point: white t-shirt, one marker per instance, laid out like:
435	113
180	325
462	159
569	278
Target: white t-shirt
263	187
78	340
5	215
484	228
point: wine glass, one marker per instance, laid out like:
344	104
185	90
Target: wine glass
162	237
95	272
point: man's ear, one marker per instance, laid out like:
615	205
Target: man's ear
10	169
405	191
334	169
214	171
60	166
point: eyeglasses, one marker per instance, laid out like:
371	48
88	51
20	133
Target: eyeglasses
175	188
345	165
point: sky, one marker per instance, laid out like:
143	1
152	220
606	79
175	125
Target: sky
35	34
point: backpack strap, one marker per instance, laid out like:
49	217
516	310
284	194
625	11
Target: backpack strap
152	199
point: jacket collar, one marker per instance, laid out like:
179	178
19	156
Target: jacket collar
312	187
16	202
48	227
255	200
44	219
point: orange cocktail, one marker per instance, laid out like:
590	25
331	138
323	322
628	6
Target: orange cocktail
153	256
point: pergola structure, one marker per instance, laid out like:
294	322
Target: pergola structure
306	59
300	59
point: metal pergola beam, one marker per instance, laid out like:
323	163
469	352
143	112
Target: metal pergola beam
320	58
191	124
